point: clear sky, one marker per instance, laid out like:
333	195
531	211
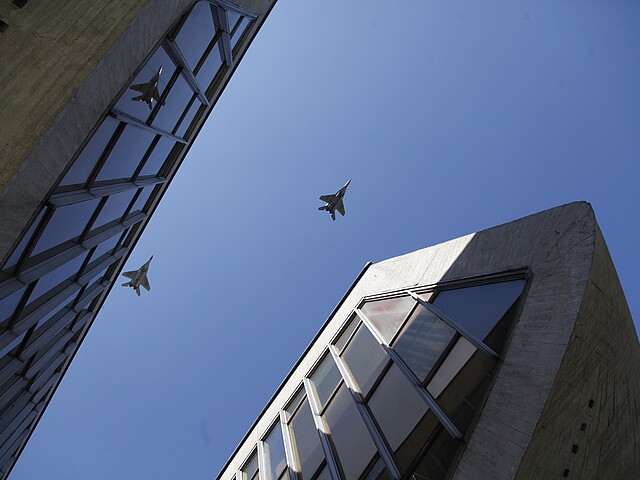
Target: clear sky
448	116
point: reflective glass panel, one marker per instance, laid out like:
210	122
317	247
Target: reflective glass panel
175	104
67	222
196	33
210	67
13	344
295	401
188	118
140	109
251	468
387	315
453	363
377	471
233	18
274	449
325	378
398	408
97	276
238	34
346	334
307	441
354	445
83	166
422	340
55	312
141	201
114	208
9	303
105	247
126	154
158	156
57	276
323	475
365	358
478	309
19	250
437	460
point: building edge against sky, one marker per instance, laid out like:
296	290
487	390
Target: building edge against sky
562	401
68	69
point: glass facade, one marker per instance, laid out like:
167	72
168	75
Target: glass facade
51	281
396	393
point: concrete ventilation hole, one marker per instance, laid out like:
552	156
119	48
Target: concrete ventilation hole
3	26
574	448
565	473
583	427
20	3
591	403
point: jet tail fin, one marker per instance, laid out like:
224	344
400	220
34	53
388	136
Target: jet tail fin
138	291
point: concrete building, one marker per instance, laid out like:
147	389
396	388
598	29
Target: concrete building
83	167
505	354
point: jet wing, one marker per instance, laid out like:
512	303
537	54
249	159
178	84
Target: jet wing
130	274
139	87
340	207
327	198
144	281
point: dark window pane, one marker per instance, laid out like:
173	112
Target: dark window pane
307	441
83	166
97	276
175	104
114	207
8	305
478	309
377	471
238	35
158	156
295	401
19	250
387	315
398	409
437	460
12	345
126	154
251	468
346	334
325	378
142	199
365	358
422	340
57	276
106	246
274	449
323	475
196	33
354	445
48	316
210	67
139	109
459	355
66	223
188	118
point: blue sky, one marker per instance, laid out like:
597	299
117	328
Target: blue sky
449	117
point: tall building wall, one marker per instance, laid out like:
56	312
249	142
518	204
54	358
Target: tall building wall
85	166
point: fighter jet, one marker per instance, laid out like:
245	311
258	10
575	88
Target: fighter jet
334	202
148	90
138	277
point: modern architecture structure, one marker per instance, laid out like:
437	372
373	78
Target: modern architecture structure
84	163
505	354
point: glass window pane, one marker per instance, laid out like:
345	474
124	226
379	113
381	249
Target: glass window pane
158	156
422	340
140	109
126	154
307	441
274	449
397	407
354	445
478	309
437	460
67	222
196	33
141	201
365	358
8	305
83	166
114	208
233	18
14	343
175	104
456	359
238	34
106	246
295	401
323	475
57	276
251	468
20	248
387	315
210	67
346	334
188	118
325	378
377	471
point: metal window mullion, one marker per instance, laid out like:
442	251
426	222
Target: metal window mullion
290	448
49	264
383	448
176	55
81	195
323	430
453	324
37	234
264	466
221	22
426	396
102	159
236	8
128	119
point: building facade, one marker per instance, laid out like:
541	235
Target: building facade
508	353
84	165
